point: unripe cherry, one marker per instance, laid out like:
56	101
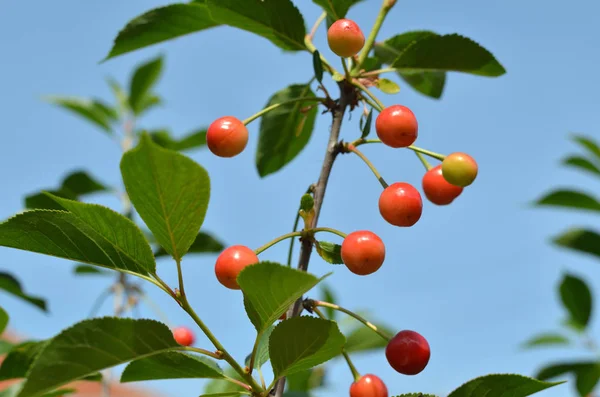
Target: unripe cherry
368	386
345	38
437	189
459	169
363	252
400	204
184	336
227	137
408	352
231	262
397	126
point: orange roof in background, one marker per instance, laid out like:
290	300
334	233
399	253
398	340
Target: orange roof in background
85	389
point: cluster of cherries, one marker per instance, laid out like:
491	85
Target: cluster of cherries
363	252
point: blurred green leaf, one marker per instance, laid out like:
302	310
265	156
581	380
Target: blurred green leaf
270	289
504	385
162	24
586	374
329	296
19	360
82	269
330	252
286	130
318	66
195	139
279	21
307	380
94	345
582	240
262	351
14	390
205	243
93	110
220	387
119	94
300	343
582	163
87	233
387	86
5	347
366	129
144	78
363	339
577	299
171	365
570	199
547	339
10	284
149	102
587	143
170	193
3	320
336	9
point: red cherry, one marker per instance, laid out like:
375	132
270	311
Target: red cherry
227	137
231	262
400	204
184	336
368	386
437	189
408	352
345	38
363	252
397	126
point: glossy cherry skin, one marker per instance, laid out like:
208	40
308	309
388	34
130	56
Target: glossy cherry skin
459	169
363	252
437	189
231	262
368	386
408	352
227	137
184	336
345	38
400	204
397	126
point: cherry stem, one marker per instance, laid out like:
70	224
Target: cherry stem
383	11
378	104
237	382
262	378
330	230
353	369
378	72
316	303
370	102
253	354
203	351
346	70
364	158
276	105
180	277
427	152
275	241
318	22
423	161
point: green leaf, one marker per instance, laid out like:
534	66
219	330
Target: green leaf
170	193
144	78
330	252
93	110
451	52
429	83
193	140
587	143
94	345
582	240
171	365
318	66
570	199
10	284
501	385
87	233
270	289
14	390
162	24
276	20
3	320
586	374
363	339
329	296
222	387
19	360
262	351
81	183
286	130
5	347
205	243
582	163
387	86
577	299
42	201
366	129
150	101
120	95
90	270
336	9
305	381
372	63
300	343
547	339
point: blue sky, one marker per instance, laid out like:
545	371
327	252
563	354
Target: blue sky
476	278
